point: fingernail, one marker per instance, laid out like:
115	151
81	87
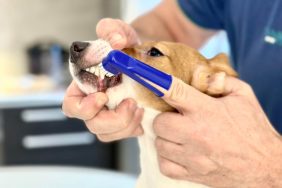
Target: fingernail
101	101
132	105
117	41
115	38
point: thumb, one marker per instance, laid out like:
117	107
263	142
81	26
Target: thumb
184	97
118	33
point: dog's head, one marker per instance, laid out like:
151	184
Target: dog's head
207	75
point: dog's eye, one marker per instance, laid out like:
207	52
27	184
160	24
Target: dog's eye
154	52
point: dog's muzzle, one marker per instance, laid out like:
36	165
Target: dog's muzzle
86	62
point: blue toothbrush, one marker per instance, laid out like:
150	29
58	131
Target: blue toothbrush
118	62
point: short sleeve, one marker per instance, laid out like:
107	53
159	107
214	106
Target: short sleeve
205	13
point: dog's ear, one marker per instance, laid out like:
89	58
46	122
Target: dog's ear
210	77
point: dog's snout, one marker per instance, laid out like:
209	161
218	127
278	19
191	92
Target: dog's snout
77	49
79	46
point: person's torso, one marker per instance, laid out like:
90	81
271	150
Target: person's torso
254	28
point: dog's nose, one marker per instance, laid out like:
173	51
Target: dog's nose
77	49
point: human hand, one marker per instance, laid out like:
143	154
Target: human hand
119	34
108	125
219	142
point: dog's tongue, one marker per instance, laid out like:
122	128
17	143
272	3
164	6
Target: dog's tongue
104	84
101	85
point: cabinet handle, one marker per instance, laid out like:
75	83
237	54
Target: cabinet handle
43	115
57	140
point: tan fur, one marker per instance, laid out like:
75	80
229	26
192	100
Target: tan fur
185	63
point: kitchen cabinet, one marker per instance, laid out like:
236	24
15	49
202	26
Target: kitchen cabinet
35	131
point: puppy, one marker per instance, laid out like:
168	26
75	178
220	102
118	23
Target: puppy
207	75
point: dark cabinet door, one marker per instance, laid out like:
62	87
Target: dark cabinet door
43	135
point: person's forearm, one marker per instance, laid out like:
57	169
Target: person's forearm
269	167
146	25
167	22
275	175
273	159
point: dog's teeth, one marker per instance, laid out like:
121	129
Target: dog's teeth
92	70
97	72
109	74
102	75
104	71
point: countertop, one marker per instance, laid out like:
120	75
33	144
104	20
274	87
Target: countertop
63	177
31	100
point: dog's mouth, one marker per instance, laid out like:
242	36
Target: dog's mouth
98	77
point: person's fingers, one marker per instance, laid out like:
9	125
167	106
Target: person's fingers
132	130
169	150
177	152
187	155
119	34
184	97
171	169
111	121
78	105
171	126
73	90
235	86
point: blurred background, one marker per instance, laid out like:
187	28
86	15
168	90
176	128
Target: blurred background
34	134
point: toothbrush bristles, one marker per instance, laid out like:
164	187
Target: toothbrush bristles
107	73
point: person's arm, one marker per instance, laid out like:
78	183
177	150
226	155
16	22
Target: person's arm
167	22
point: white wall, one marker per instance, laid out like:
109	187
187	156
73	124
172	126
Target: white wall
133	8
25	21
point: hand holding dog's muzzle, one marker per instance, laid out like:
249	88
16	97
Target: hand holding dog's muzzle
122	122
